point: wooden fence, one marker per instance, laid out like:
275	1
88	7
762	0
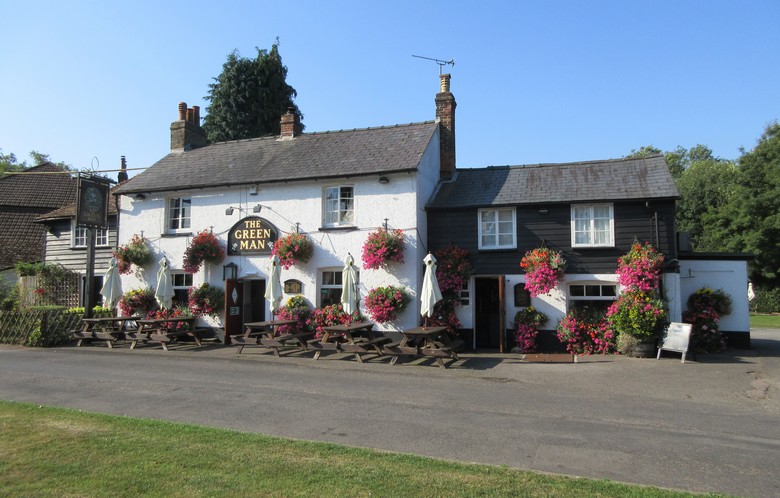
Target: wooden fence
48	327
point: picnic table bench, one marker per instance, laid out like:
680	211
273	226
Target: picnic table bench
163	331
264	334
356	338
107	329
424	341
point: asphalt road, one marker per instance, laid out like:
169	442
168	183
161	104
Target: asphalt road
710	425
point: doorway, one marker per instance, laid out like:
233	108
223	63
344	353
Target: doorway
488	330
254	301
244	303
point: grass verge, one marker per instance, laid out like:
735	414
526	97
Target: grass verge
765	321
48	451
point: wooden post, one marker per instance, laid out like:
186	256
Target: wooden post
89	301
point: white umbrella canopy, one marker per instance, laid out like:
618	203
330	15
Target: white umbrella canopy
349	295
273	292
112	285
430	294
164	292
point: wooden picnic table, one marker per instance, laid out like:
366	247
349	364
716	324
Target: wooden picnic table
424	341
265	334
163	330
358	338
108	329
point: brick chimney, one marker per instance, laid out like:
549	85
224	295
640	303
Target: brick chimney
445	116
290	125
122	176
186	133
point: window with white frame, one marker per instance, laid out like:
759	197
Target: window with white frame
497	229
339	206
592	225
178	214
80	237
182	283
331	286
594	295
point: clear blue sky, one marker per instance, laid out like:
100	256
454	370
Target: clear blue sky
539	81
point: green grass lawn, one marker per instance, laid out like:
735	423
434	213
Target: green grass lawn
765	321
55	452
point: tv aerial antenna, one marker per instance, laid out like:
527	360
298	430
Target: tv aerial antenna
440	62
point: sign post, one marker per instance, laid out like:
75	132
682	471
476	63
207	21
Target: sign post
91	213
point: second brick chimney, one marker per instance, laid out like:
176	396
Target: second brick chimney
445	115
122	176
290	124
186	133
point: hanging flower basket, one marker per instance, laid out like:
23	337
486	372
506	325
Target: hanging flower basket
204	247
640	268
381	247
206	300
453	271
544	269
384	303
293	247
136	252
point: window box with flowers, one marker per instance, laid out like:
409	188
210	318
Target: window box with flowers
293	247
206	300
204	247
544	269
640	268
136	252
382	247
383	304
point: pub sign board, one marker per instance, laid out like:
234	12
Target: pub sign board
251	235
92	201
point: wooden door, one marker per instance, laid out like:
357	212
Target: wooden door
234	298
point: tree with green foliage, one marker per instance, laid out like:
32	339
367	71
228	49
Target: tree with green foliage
249	97
9	162
750	220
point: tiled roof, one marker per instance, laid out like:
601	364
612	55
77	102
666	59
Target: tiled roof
614	179
310	155
22	239
38	186
23	199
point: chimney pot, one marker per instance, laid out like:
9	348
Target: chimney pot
444	83
186	133
122	176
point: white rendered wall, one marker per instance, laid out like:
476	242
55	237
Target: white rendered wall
731	276
284	205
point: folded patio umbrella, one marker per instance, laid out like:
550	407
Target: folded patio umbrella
273	292
349	295
430	294
112	285
164	292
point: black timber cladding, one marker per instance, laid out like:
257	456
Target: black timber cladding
453	211
308	156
